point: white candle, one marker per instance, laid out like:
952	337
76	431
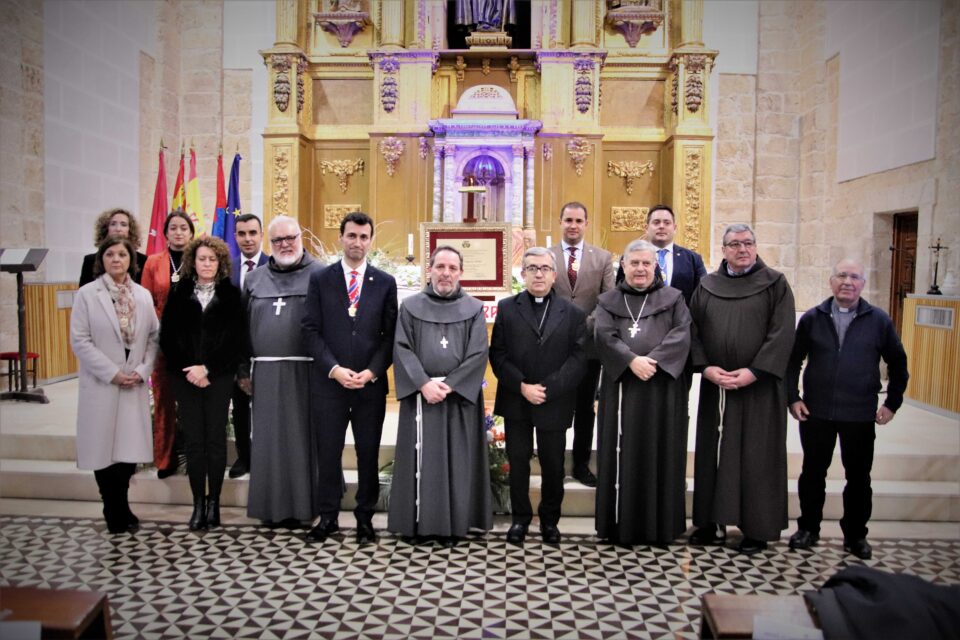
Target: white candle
549	241
409	244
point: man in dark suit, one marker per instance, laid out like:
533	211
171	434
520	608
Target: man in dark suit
248	233
537	355
583	273
349	330
681	267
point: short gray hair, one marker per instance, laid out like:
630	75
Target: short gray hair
281	219
539	251
640	245
737	227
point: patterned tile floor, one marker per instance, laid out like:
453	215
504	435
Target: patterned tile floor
252	582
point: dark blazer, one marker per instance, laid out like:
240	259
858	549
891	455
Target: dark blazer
556	360
842	383
332	337
238	262
86	270
687	270
214	337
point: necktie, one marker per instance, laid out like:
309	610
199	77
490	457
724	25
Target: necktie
571	272
353	289
662	261
249	264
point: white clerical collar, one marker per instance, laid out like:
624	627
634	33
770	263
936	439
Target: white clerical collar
566	247
347	268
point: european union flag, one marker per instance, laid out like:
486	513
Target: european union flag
233	209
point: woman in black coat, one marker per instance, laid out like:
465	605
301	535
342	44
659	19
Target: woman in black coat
202	338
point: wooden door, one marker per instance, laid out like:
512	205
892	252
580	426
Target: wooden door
903	268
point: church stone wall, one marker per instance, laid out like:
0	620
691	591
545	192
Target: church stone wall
21	144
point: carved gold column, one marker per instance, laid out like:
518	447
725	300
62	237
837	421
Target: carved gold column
391	23
288	112
584	31
691	142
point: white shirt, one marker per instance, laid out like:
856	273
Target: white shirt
668	261
243	266
578	256
362	269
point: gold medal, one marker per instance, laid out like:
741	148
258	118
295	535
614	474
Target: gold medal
352	311
576	265
175	278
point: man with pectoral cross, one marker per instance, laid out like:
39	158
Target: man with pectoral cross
440	356
283	467
349	325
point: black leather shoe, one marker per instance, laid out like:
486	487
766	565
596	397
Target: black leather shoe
365	533
198	519
213	512
449	541
550	534
750	546
516	533
584	476
710	534
324	529
167	472
860	548
239	469
803	539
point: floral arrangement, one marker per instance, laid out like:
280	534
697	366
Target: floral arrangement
407	274
497	457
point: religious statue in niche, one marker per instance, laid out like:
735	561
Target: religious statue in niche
487	21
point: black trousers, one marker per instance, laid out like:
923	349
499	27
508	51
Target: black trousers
240	402
203	420
114	483
584	418
330	416
550	450
818	438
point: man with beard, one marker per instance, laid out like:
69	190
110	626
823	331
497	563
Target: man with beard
743	317
283	473
441	478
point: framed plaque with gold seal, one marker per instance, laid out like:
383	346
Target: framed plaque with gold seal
486	251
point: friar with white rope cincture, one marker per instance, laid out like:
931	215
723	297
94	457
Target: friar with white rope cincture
441	478
642	333
283	473
743	330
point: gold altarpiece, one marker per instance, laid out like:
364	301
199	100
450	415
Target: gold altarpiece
617	92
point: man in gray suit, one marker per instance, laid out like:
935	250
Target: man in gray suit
583	273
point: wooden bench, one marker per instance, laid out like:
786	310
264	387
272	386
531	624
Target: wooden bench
731	616
62	613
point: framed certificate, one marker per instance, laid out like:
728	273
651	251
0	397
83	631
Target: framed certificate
485	248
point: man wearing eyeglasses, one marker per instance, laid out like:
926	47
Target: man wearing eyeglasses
283	473
536	352
843	340
743	317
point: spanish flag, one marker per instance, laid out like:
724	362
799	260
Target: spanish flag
194	208
178	199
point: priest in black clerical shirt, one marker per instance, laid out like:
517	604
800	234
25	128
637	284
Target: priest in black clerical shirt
536	352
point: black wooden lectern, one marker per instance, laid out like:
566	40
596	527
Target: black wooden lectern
18	261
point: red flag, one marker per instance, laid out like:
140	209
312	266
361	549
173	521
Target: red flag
220	209
179	200
155	241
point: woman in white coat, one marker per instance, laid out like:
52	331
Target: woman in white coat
114	332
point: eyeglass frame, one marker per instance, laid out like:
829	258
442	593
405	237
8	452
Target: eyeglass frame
278	242
545	269
736	244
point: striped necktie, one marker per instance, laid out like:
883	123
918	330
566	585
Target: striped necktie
353	289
